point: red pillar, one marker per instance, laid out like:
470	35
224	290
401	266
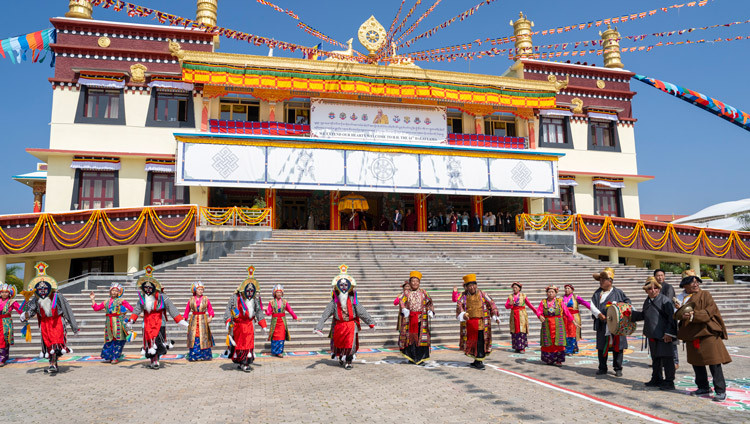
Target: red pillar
477	208
335	221
420	206
39	190
271	203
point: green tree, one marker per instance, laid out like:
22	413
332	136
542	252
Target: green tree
11	277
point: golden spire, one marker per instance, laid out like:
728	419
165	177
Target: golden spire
522	32
611	47
79	9
206	13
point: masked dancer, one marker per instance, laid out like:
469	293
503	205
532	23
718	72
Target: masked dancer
244	308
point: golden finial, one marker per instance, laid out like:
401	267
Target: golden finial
250	271
79	9
148	270
522	32
611	47
206	12
343	268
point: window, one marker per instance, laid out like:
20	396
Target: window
297	112
566	199
455	123
493	125
163	190
240	110
607	201
602	136
555	132
100	106
96	190
171	106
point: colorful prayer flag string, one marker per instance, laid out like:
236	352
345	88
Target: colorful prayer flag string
461	16
16	48
704	102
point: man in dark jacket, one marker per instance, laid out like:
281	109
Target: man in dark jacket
605	295
661	330
668	291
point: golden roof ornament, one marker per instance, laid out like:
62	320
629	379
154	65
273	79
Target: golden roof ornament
522	33
372	35
138	73
206	12
81	9
611	47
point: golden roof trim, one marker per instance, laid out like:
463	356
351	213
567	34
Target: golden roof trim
377	71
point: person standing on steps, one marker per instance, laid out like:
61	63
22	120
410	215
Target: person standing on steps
603	297
414	330
115	332
475	310
347	313
277	308
52	311
244	308
199	337
154	305
519	319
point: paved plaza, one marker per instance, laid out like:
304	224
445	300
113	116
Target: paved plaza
310	387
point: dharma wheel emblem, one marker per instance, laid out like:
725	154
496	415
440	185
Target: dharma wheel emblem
372	35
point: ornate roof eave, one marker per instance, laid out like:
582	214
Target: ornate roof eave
235	59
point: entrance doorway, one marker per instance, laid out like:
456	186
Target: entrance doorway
293	213
227	197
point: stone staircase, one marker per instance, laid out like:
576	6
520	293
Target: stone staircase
306	261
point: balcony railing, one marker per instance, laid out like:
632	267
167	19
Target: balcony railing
481	140
605	231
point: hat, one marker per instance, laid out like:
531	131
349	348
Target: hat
607	274
148	278
516	283
277	287
249	280
551	287
651	281
343	275
41	277
9	288
196	285
415	274
118	286
569	285
470	278
689	279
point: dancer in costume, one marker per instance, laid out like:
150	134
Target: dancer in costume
199	337
277	308
414	331
474	310
519	319
7	305
154	305
52	311
243	309
552	336
573	331
115	331
660	328
603	297
703	332
347	313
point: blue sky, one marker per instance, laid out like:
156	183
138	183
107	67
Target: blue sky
697	158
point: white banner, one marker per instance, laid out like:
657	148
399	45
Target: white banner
340	120
219	165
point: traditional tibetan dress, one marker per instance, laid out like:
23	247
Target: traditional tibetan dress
553	334
154	323
52	326
115	333
199	337
6	338
346	326
519	320
476	332
279	334
243	331
414	332
573	333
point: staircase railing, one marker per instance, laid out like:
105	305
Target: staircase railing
235	216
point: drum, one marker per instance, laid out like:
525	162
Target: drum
618	319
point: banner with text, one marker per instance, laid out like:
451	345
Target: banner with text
338	120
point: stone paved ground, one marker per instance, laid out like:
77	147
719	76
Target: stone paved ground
380	388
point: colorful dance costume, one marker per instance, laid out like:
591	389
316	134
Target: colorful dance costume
519	319
573	333
199	337
244	308
414	325
115	331
553	336
278	308
6	307
474	312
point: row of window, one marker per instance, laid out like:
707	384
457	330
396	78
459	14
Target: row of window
555	132
98	189
607	201
167	108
